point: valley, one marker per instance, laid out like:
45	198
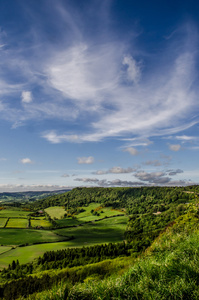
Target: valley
90	234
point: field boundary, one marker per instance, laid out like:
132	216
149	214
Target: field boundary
87	222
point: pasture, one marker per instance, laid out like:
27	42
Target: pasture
87	216
55	212
40	223
17	223
3	222
14	213
29	243
105	231
4	249
99	232
27	236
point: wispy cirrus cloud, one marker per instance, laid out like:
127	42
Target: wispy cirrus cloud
100	80
186	138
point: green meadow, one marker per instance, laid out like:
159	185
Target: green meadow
25	244
17	223
4	249
55	212
40	223
3	222
27	236
14	213
104	231
86	215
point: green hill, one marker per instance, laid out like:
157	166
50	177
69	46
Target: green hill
158	258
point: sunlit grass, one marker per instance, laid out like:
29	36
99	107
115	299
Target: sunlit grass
55	212
40	223
3	222
17	223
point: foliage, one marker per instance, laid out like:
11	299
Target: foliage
163	222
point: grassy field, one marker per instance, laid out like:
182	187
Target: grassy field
104	212
27	236
87	216
97	232
14	213
3	222
55	212
67	222
105	231
4	249
28	253
17	223
40	223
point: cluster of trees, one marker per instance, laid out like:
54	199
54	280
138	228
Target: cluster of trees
33	284
70	257
74	211
25	286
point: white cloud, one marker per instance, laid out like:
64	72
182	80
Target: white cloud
118	170
133	69
118	182
185	137
138	141
65	175
85	160
54	138
84	77
115	170
100	172
131	150
26	161
175	147
91	180
26	97
91	76
85	73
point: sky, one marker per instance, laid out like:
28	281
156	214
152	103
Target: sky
98	93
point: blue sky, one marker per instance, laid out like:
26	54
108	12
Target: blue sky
98	93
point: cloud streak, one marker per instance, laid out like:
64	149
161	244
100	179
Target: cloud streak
115	170
101	81
85	160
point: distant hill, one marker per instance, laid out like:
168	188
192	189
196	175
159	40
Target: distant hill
10	197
